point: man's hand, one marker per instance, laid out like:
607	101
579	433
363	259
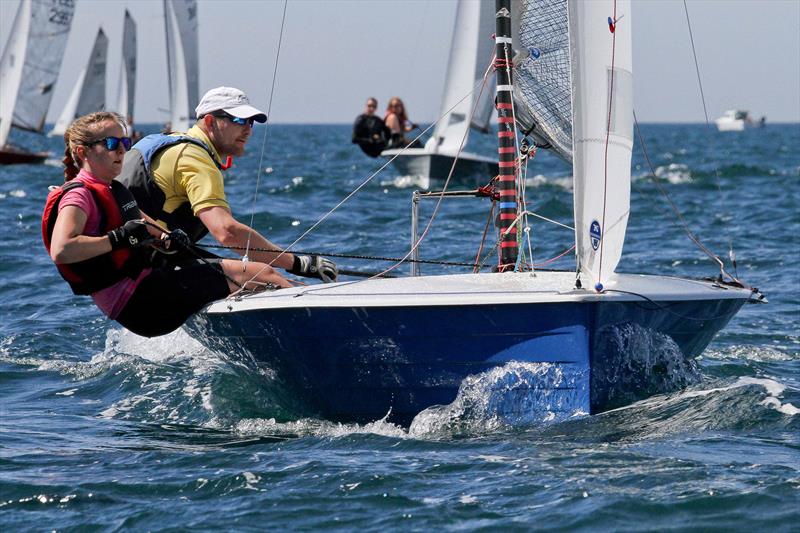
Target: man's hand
179	238
130	235
314	266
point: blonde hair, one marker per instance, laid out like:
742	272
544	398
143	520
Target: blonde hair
83	130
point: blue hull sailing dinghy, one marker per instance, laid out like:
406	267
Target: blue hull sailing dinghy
29	69
469	60
594	340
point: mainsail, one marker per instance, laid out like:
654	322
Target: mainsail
127	72
602	80
30	63
180	17
470	54
89	93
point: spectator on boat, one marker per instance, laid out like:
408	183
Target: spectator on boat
101	242
178	178
397	122
369	131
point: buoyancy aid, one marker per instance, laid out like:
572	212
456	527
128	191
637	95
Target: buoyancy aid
137	176
117	206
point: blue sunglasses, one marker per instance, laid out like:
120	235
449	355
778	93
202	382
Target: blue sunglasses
112	143
235	120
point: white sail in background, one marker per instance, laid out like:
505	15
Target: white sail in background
30	63
126	90
89	93
470	53
602	103
180	17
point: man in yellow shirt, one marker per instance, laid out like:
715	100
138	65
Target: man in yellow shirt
177	179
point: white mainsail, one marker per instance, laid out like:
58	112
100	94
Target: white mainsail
126	89
180	17
602	130
470	54
30	63
89	93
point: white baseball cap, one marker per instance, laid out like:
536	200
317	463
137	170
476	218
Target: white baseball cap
232	101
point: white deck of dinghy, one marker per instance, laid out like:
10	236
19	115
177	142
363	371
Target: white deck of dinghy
477	289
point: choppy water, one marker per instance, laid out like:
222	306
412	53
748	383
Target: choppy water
103	430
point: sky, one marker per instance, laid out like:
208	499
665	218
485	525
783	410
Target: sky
335	53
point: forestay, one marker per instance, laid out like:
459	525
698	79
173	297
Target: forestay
542	73
602	80
470	55
30	63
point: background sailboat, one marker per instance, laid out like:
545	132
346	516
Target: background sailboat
126	88
180	19
89	93
591	340
29	68
470	55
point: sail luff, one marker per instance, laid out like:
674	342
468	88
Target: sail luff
506	138
602	80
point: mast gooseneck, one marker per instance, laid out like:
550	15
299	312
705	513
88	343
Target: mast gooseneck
506	138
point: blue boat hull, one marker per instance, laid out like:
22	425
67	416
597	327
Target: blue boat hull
358	364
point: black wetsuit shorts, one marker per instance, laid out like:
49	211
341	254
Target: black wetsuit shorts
168	296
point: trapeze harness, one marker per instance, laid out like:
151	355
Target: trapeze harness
117	206
370	134
137	176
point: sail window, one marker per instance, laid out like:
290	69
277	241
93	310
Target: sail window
621	96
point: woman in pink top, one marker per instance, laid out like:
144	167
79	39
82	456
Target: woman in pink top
111	263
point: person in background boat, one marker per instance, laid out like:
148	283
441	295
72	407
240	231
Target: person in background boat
100	240
184	187
134	133
369	131
397	122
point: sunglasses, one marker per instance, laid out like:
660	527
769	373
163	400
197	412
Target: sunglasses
112	143
236	120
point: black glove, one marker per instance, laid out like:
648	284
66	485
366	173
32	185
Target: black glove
179	238
133	233
314	266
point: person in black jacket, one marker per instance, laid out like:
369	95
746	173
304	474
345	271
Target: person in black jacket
369	131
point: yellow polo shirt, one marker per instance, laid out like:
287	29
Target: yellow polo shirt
186	173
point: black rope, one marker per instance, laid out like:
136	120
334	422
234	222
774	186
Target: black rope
661	307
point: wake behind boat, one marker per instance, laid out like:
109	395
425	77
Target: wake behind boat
596	339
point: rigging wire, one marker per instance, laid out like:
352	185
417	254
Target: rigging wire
731	252
266	129
674	207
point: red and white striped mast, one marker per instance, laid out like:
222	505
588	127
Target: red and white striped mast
506	138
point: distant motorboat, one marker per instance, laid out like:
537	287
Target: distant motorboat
738	120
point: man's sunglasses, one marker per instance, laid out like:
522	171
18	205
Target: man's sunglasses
112	143
235	120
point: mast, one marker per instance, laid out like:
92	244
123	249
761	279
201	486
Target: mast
506	138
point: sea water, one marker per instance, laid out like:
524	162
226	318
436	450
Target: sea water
104	430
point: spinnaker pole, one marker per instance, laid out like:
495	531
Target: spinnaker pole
506	137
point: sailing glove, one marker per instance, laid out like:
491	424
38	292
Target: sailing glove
131	234
314	266
179	238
